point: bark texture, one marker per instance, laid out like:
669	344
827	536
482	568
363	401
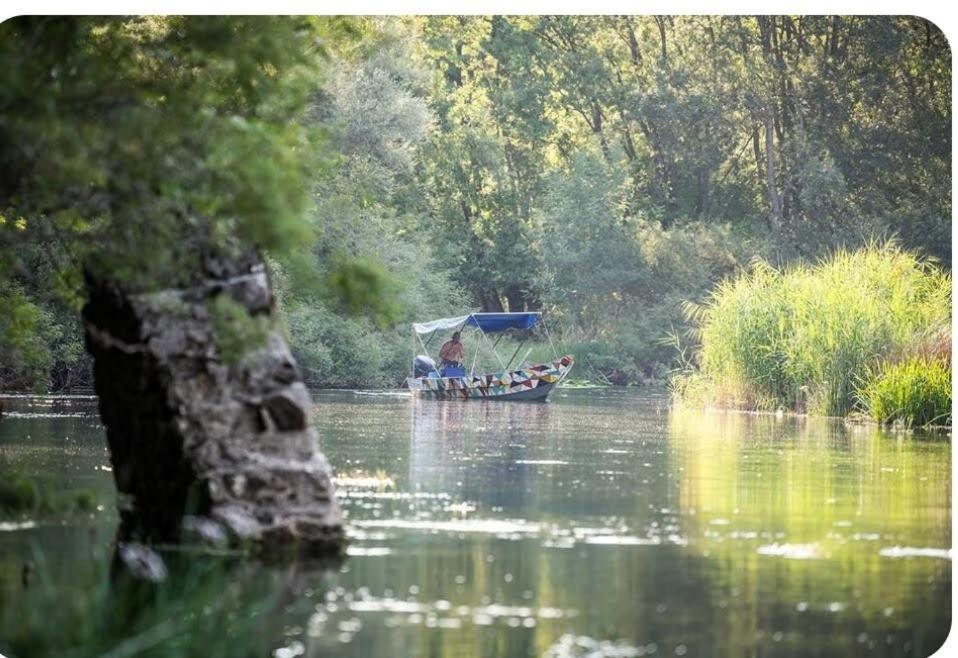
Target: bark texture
202	449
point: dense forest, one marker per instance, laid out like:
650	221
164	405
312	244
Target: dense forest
604	170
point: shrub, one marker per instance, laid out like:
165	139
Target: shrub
27	330
913	392
800	338
235	330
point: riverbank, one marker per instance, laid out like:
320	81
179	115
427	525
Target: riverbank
865	332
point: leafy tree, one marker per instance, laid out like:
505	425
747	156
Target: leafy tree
146	140
132	148
603	168
370	209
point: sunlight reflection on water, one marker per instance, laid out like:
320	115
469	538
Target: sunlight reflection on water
595	525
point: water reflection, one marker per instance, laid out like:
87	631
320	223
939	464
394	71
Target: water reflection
598	524
718	534
799	517
479	449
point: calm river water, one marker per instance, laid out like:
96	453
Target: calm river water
599	524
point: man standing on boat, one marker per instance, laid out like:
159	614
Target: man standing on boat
452	353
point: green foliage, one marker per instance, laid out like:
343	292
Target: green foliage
364	285
235	331
913	392
339	347
607	168
800	337
160	133
164	139
679	106
132	147
616	283
600	168
17	494
23	496
27	332
208	606
483	166
371	269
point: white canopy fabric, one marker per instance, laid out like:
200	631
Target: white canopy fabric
437	325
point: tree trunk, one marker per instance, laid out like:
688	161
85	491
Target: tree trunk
490	301
660	23
516	299
774	201
199	447
702	201
759	159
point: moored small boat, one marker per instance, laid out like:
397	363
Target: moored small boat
533	382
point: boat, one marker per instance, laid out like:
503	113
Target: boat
524	382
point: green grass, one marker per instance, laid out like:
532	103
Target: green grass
913	392
801	338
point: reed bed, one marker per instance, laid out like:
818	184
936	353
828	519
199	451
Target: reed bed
812	337
913	392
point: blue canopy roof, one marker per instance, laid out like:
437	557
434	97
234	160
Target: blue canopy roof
488	322
491	322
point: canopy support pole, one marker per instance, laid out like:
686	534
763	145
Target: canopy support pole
498	358
425	350
475	357
551	344
513	357
524	358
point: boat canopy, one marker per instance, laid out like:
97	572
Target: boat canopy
488	322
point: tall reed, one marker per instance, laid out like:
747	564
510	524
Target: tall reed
913	392
802	338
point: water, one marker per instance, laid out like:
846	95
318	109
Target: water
600	524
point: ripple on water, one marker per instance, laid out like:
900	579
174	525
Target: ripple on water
583	646
294	649
553	536
484	526
791	551
48	399
622	540
31	414
364	481
440	614
345	609
910	551
368	551
383	394
351	494
10	526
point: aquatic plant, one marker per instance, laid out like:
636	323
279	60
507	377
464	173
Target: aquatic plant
22	495
913	392
210	606
17	494
802	337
